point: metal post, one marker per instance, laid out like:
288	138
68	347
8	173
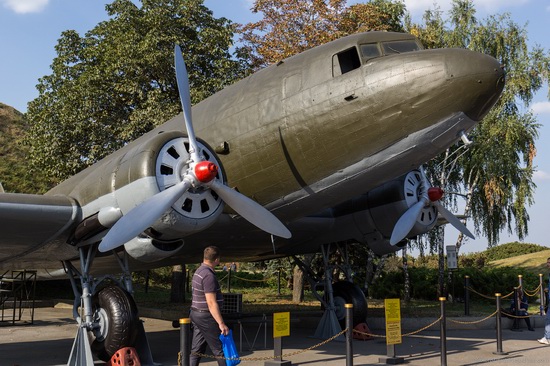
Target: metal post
185	341
541	295
349	334
520	281
443	325
467	295
499	327
229	280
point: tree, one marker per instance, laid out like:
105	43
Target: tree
494	173
117	81
289	27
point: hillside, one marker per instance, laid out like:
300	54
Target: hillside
15	173
533	262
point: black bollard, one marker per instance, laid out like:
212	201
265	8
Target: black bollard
443	324
467	295
349	334
499	328
185	341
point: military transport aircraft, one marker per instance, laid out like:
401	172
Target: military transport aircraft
323	147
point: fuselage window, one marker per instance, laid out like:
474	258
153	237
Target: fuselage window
345	61
399	46
369	51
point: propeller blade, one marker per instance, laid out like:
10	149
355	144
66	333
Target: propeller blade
142	216
185	98
406	223
453	220
253	212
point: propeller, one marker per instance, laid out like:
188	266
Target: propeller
429	195
200	173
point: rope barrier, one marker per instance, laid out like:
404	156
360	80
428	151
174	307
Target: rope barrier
475	321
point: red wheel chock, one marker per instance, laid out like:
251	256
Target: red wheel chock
362	328
126	356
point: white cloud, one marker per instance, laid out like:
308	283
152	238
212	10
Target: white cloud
25	6
541	108
540	176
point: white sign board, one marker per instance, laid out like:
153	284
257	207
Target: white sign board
452	258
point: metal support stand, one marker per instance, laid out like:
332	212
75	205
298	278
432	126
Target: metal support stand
278	353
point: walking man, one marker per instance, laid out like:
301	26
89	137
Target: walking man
546	338
206	316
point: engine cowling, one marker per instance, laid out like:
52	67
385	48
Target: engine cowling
147	249
198	208
377	212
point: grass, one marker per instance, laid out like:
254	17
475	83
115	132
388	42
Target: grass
534	263
267	301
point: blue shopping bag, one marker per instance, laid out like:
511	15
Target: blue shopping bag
229	349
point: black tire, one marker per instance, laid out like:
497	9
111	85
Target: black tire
345	292
118	316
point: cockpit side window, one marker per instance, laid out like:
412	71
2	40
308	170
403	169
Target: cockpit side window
345	61
393	47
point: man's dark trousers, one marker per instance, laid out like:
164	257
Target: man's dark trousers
205	331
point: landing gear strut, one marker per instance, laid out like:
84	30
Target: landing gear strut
104	307
335	295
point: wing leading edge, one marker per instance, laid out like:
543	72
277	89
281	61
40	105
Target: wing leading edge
28	222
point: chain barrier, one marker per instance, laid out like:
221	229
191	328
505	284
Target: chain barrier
267	358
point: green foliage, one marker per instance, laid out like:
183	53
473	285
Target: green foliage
487	281
513	249
117	81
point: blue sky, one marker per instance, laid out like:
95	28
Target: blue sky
29	30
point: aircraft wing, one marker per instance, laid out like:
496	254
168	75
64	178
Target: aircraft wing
28	222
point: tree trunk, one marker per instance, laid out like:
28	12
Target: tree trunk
298	285
177	290
407	290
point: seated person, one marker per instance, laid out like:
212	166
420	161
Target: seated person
519	307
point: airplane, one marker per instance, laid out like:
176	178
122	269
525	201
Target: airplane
323	147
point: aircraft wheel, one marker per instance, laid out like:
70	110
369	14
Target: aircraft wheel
347	293
116	316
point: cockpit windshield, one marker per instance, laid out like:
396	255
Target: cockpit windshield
399	46
372	50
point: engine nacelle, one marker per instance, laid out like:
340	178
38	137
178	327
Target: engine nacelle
145	249
377	212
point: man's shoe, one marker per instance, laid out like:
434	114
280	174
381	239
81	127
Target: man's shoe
543	340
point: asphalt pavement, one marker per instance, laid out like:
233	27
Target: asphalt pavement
49	340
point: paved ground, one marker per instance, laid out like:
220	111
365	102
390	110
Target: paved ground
49	341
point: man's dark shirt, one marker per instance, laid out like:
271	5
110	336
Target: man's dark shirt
205	281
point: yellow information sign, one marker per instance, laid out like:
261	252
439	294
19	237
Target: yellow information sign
393	321
281	324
